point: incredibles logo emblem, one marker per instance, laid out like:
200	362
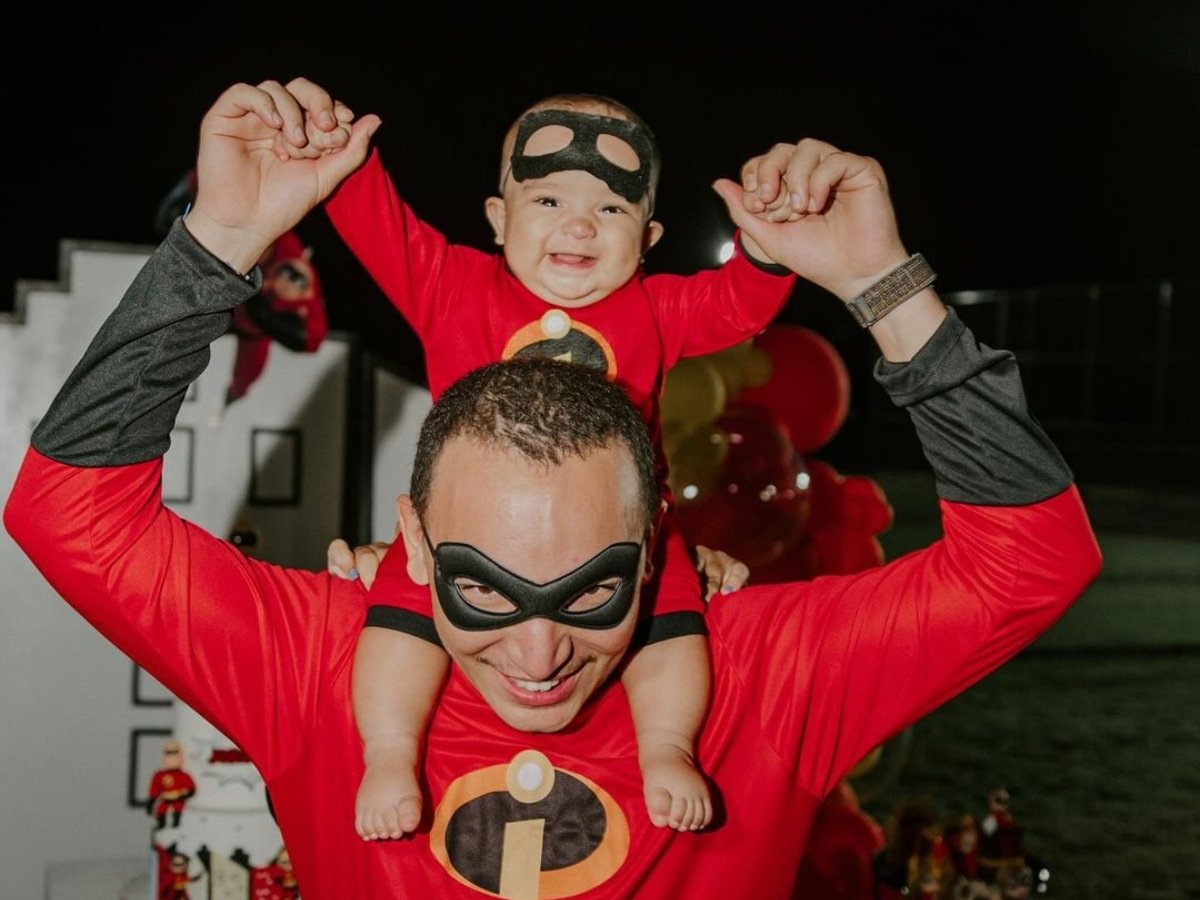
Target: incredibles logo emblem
528	831
555	336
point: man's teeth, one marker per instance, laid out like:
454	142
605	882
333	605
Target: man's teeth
538	687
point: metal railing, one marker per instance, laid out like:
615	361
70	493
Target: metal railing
1110	371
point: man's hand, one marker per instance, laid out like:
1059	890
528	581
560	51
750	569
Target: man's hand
720	570
824	213
360	563
268	155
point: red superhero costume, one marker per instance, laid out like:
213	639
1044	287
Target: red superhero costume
289	310
808	676
468	309
169	791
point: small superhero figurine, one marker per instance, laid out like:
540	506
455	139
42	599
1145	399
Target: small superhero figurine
963	840
276	880
289	310
173	878
170	787
1001	840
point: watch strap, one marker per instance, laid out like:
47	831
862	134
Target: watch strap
908	278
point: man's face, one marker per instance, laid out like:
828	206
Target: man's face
568	236
538	522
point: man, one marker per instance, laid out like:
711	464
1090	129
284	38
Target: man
531	511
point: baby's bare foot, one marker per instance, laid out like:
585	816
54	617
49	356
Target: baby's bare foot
389	798
676	793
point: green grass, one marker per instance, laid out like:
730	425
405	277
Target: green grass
1101	756
1095	730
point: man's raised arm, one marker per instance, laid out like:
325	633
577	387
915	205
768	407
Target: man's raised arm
891	643
86	506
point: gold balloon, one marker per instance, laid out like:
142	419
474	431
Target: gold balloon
693	394
757	368
732	364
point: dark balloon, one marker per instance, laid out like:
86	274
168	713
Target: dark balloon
752	503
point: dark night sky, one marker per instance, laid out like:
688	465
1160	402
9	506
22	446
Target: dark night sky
1029	144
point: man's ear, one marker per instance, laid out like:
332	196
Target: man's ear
654	233
493	208
648	567
409	524
653	530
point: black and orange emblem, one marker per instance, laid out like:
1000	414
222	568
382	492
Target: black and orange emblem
556	336
529	831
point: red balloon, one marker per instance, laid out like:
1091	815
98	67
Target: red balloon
753	509
848	512
844	515
806	384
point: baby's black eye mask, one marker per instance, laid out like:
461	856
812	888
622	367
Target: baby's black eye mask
452	562
583	152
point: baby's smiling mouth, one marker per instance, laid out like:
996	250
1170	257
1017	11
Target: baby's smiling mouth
574	260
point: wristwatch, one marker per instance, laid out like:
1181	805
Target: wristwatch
908	278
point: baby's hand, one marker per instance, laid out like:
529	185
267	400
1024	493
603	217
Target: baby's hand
321	135
765	191
360	563
721	571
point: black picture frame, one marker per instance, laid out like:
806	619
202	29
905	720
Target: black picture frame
147	691
276	466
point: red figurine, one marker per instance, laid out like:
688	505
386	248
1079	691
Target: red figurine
173	878
289	310
276	880
963	840
170	786
1001	840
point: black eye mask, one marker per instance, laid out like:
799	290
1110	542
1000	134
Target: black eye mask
583	153
454	561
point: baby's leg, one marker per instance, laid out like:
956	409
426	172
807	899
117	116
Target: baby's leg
397	679
668	684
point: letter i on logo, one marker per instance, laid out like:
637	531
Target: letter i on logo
529	778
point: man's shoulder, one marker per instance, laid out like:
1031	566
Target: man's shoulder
753	616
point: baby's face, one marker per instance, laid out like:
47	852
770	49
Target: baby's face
571	240
568	236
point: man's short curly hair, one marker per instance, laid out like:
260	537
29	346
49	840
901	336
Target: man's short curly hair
546	410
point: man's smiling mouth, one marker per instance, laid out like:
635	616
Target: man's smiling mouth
537	686
546	692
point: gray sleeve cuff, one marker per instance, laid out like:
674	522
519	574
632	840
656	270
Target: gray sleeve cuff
968	405
119	404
